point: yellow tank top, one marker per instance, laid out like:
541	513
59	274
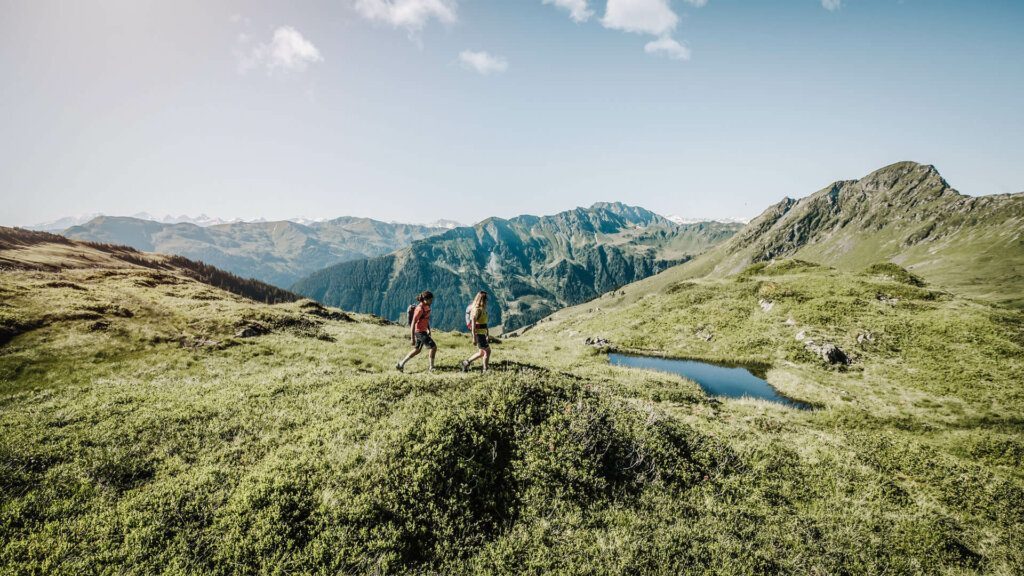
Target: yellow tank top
481	318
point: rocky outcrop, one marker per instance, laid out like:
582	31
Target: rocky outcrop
828	352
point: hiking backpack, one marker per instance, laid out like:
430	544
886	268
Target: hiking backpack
469	317
409	314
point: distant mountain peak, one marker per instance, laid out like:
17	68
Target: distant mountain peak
446	224
681	220
902	177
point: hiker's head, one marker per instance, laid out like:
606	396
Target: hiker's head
426	296
480	300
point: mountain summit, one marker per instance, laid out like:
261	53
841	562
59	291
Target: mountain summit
905	213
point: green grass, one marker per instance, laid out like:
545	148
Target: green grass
163	443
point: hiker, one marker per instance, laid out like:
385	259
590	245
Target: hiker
419	329
476	322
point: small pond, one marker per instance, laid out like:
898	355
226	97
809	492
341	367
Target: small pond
715	379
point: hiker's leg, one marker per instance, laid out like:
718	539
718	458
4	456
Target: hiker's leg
487	357
412	353
433	352
478	354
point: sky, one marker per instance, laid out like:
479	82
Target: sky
415	110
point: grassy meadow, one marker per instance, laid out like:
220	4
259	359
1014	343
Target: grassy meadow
141	434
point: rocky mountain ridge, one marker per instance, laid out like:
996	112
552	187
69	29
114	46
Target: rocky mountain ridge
905	213
531	265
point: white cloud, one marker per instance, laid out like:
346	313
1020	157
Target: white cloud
831	5
643	16
412	15
668	47
288	50
697	3
482	62
578	9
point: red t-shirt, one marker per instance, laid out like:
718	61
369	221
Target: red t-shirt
421	318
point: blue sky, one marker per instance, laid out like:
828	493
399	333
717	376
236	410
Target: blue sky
414	110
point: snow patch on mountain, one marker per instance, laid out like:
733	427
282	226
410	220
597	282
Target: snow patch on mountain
681	220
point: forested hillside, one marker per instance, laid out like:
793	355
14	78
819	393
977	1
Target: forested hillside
530	265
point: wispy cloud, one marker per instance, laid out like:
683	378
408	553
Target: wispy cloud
668	47
831	5
642	16
287	50
412	15
482	62
578	9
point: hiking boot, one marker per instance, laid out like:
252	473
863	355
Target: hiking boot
465	366
398	366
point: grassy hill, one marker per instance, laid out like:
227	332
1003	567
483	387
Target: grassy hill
154	423
905	213
278	253
919	434
531	265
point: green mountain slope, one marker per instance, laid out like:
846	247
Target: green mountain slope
275	252
150	427
905	213
928	405
530	265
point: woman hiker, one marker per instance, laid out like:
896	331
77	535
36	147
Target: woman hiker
419	326
476	321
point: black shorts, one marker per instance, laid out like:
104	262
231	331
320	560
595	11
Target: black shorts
424	339
481	341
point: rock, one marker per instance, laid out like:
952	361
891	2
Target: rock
886	299
251	330
766	305
828	352
790	321
704	334
196	342
800	335
865	338
597	342
99	326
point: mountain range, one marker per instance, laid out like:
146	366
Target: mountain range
278	253
59	225
531	265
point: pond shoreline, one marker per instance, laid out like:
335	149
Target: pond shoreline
717	379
